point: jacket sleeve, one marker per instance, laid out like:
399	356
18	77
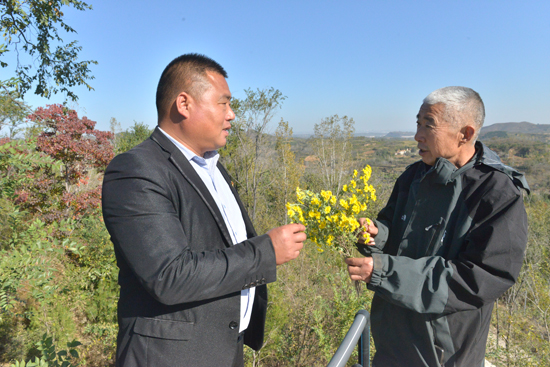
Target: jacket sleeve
140	214
487	265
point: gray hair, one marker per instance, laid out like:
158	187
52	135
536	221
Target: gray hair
461	105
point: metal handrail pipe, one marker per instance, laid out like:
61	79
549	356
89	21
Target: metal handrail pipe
360	327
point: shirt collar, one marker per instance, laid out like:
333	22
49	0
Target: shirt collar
210	158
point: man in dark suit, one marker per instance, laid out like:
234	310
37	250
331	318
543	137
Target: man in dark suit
193	272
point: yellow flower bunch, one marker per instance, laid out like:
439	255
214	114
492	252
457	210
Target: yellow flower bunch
331	221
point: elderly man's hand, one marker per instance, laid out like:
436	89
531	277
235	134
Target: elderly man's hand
369	228
360	268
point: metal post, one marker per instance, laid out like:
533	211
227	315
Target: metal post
359	329
363	347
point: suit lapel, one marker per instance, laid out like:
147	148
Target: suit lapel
191	176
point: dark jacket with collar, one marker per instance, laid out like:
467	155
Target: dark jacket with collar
450	242
180	275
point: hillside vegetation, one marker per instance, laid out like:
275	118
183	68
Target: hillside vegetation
58	277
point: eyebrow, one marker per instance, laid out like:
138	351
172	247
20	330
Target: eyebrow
428	119
226	96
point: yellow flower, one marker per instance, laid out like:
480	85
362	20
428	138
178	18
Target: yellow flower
326	195
330	220
367	171
344	204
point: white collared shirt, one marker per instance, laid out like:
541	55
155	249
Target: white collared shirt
227	204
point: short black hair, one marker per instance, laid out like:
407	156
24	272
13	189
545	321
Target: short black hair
186	73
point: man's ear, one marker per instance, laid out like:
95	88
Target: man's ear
182	104
468	132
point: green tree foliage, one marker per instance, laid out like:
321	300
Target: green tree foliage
128	139
32	28
51	357
13	112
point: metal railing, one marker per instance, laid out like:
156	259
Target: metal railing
359	333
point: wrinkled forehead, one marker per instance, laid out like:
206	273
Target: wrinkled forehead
435	112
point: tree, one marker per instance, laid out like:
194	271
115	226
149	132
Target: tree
73	141
128	139
247	156
31	27
287	173
12	113
331	143
62	189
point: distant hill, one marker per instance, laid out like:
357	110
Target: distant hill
516	127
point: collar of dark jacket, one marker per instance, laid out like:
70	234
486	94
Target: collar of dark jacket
489	158
444	172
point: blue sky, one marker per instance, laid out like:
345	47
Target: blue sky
371	60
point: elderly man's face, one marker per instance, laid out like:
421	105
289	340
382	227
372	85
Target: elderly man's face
435	136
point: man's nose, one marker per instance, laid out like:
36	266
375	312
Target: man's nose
230	114
418	136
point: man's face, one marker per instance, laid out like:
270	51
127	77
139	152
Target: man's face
435	136
212	114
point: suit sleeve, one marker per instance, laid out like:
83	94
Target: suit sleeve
488	265
151	243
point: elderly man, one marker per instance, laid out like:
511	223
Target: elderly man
449	242
193	273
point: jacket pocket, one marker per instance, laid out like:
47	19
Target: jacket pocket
164	329
436	234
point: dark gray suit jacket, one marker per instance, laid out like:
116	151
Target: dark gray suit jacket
180	274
